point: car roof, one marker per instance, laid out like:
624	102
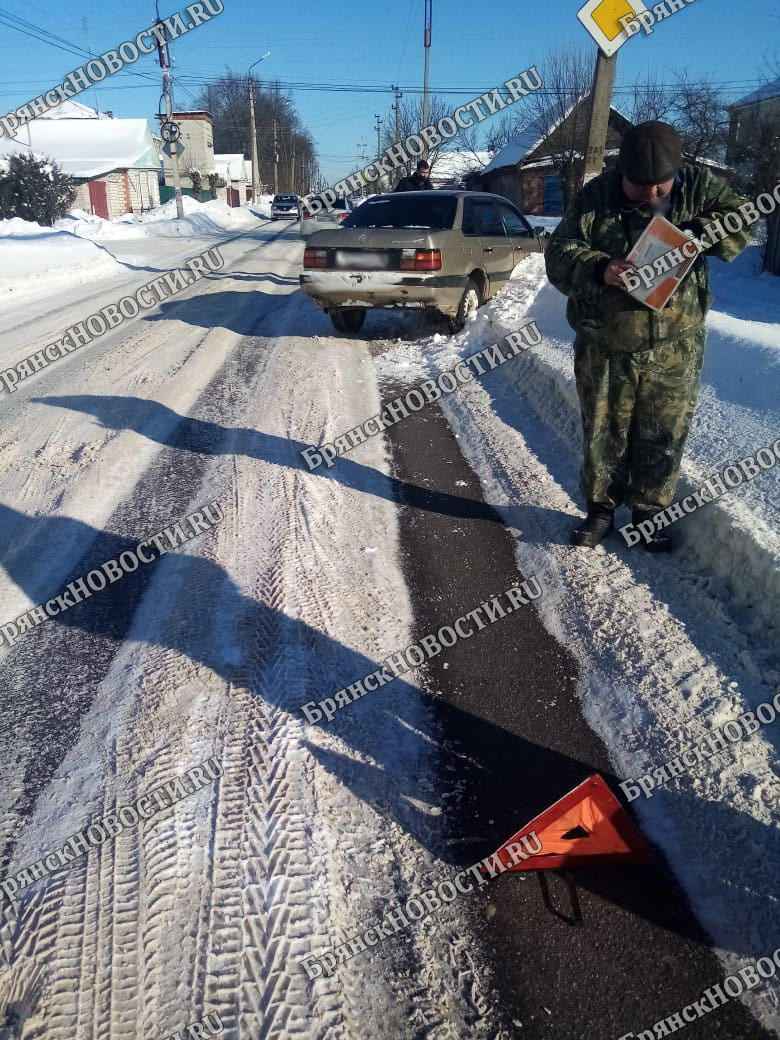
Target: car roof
451	192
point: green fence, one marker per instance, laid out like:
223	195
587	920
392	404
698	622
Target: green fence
167	193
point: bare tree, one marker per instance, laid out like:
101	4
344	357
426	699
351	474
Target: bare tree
699	113
227	102
501	131
410	122
467	142
567	74
651	100
754	151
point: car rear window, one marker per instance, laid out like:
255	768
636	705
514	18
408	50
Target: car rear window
338	204
405	211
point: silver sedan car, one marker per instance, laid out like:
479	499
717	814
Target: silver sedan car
285	206
445	250
326	220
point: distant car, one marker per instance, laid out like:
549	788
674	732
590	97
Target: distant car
449	250
285	206
324	220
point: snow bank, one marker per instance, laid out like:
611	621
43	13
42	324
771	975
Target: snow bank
548	223
736	538
35	260
200	218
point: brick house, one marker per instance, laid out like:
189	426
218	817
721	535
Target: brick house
114	163
197	136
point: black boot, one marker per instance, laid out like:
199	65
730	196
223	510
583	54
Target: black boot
659	542
597	525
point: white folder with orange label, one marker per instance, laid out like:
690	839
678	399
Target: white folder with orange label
657	239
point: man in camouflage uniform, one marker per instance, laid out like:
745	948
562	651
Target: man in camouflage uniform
637	371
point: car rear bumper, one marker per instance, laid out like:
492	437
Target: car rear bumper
309	227
372	289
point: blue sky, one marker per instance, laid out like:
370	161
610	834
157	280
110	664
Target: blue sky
475	47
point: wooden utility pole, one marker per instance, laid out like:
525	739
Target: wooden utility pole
600	105
427	65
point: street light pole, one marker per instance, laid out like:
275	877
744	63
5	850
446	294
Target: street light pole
252	131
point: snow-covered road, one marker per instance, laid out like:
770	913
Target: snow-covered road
312	833
209	654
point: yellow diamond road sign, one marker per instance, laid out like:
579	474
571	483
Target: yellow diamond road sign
602	20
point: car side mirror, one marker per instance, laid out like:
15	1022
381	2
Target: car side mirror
541	232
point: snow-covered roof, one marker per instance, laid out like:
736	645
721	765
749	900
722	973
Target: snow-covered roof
451	166
89	147
231	166
701	161
768	90
72	110
526	139
532	134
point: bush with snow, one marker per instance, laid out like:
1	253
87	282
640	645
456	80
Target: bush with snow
34	188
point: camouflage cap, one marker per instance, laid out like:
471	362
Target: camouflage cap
651	152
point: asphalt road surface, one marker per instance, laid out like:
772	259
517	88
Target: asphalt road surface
309	581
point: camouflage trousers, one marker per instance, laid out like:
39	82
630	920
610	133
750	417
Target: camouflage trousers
636	412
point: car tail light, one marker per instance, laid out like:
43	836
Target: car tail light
420	260
341	216
307	215
315	257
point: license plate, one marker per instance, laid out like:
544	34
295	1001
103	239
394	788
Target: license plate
362	260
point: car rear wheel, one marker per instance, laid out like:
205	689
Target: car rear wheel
348	319
470	302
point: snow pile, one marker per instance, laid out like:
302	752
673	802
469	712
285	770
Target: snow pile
737	537
262	207
548	223
200	218
36	260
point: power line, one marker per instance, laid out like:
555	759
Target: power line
381	88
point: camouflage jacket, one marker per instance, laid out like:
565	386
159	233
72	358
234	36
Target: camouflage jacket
601	225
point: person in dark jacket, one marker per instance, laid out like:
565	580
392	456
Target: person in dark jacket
419	181
636	370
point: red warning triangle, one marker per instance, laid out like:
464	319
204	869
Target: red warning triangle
587	826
